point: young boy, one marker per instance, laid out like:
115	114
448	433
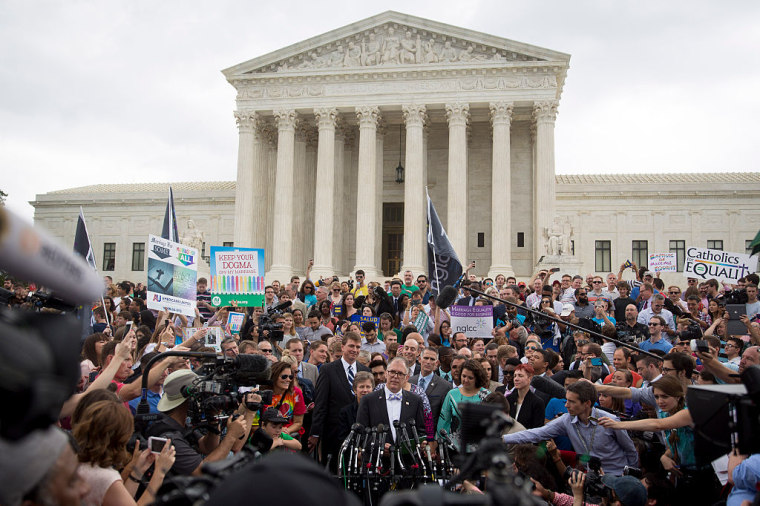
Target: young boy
271	427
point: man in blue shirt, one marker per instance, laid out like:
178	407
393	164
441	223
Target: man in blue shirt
580	424
655	341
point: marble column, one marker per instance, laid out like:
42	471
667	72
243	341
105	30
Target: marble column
379	186
545	114
324	219
341	196
415	230
456	215
271	178
282	250
367	194
501	191
246	181
309	194
299	225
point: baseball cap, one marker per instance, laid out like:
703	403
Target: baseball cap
173	386
567	309
628	489
648	273
271	415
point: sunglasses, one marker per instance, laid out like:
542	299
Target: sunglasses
286	376
262	350
597	282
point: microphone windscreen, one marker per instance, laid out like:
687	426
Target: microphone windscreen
380	293
252	368
447	297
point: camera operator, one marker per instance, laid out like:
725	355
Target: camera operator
624	491
172	425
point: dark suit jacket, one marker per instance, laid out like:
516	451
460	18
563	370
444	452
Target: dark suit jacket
346	418
532	411
415	369
333	393
466	301
373	411
436	392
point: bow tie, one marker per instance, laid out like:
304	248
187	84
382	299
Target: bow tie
394	397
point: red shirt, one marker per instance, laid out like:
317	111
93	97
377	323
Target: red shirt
637	379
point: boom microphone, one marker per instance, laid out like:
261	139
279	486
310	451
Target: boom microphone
280	307
447	297
253	369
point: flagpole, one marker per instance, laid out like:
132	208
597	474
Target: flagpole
432	239
87	233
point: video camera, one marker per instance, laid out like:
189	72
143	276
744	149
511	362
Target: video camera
266	322
593	487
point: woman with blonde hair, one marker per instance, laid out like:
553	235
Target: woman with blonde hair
102	436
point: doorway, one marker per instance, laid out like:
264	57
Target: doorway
393	237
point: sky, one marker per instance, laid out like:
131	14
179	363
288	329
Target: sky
125	91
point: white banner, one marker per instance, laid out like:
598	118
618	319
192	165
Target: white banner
702	263
474	321
172	273
663	262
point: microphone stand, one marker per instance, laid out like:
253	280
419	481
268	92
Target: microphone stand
571	325
413	425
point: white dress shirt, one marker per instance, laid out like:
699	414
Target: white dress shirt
394	409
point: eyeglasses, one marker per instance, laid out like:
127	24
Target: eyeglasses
597	282
534	348
674	293
668	369
262	350
653	324
730	345
286	377
396	374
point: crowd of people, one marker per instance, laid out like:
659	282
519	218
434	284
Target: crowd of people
572	393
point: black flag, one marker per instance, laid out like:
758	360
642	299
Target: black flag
443	264
82	245
170	220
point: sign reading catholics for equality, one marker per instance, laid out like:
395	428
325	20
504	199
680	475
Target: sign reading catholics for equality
237	275
705	264
172	272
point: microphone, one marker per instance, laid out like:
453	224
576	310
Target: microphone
357	427
382	430
447	297
31	253
360	447
413	424
251	369
413	451
368	461
280	307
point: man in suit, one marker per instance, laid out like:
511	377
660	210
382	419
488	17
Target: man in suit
334	391
392	403
467	299
305	369
411	353
435	387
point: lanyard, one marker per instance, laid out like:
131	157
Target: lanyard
588	447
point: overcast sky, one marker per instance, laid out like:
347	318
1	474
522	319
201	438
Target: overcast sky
128	91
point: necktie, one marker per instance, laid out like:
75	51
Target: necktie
423	383
394	397
351	376
300	371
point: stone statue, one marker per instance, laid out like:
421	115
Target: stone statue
391	48
448	53
467	54
558	237
353	56
193	237
430	55
371	52
409	49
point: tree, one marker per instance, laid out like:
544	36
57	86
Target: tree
2	197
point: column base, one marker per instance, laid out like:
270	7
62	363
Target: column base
416	270
371	273
567	264
506	270
279	272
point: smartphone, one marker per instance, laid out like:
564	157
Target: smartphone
156	444
166	323
129	327
596	361
554	269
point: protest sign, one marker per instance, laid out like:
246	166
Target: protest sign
702	263
361	319
662	262
237	275
172	272
214	338
235	322
421	322
474	321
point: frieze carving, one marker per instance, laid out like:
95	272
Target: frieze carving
390	45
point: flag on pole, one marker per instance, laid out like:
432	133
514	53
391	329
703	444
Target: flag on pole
170	220
82	245
755	244
443	264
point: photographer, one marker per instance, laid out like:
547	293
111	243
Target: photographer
172	425
623	490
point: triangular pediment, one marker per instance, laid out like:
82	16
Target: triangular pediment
392	39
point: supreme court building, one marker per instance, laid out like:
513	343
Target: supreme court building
342	135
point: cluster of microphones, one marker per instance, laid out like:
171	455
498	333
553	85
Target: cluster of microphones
366	465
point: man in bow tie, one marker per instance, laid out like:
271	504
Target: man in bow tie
393	403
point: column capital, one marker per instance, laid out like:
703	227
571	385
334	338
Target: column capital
326	117
457	114
501	113
247	120
368	115
382	127
286	119
545	111
414	115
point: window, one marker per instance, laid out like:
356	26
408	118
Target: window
481	239
748	246
109	256
138	256
715	244
228	244
603	256
640	253
520	239
679	248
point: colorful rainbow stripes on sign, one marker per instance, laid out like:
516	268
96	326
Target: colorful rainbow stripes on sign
237	284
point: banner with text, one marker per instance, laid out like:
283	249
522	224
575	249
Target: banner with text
663	262
237	275
172	272
357	318
702	263
474	321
